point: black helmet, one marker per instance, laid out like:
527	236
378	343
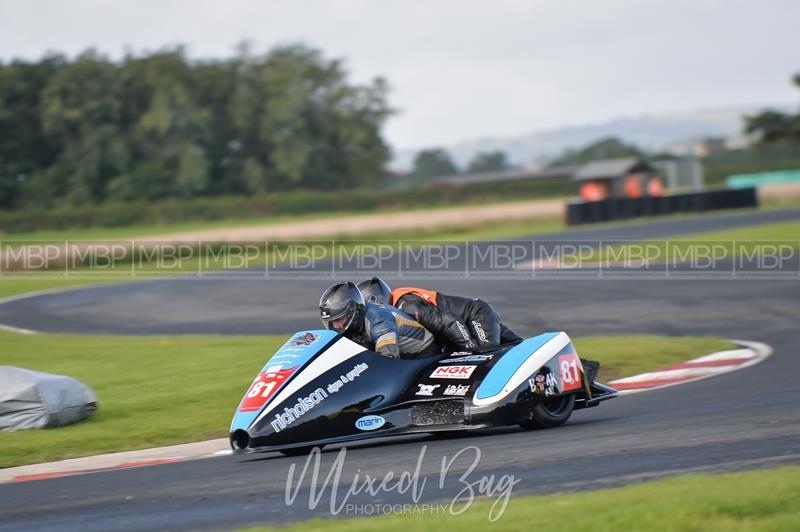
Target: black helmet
342	308
376	290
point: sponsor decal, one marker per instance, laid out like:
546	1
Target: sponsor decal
284	355
264	386
479	330
304	404
427	389
370	422
460	353
543	383
570	369
470	358
464	332
306	339
456	389
347	377
453	372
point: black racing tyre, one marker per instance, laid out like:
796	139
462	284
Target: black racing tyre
299	451
550	412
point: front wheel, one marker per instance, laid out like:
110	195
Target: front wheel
550	412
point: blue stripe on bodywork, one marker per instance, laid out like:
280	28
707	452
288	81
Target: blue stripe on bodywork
294	356
509	363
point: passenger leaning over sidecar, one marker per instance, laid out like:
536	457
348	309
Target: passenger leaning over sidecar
380	328
469	324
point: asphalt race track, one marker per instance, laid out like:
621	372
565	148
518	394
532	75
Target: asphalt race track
741	420
248	304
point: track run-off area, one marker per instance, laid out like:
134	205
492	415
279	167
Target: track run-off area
740	420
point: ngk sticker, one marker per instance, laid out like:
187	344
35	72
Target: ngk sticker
453	372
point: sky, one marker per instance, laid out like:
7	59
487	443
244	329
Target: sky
465	69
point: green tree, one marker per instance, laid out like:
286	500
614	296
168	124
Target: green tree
493	161
432	163
606	148
24	151
772	126
80	113
254	176
171	130
192	174
775	127
297	114
159	125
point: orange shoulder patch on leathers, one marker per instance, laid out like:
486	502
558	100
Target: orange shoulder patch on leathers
428	295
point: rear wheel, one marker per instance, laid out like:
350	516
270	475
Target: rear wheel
299	451
550	412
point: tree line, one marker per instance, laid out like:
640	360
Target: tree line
436	162
87	130
773	127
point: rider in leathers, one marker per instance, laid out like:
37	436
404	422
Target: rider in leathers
380	328
470	324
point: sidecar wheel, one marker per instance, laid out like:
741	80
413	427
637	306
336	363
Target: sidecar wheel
550	412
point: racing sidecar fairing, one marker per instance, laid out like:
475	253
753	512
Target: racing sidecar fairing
321	388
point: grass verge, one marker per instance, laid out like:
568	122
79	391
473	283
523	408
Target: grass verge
774	239
157	391
181	260
159	229
623	356
754	500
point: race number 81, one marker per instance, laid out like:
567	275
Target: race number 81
262	388
570	370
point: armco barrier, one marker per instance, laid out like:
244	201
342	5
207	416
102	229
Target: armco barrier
583	212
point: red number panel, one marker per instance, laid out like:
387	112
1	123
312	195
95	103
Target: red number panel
263	387
570	370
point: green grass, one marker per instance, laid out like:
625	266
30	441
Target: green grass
754	500
775	231
196	257
623	356
777	204
724	244
157	391
152	391
147	230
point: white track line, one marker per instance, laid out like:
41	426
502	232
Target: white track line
45	292
18	330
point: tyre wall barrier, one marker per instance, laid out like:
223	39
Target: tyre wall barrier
583	212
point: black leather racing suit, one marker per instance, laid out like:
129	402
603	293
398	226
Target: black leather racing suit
470	324
394	333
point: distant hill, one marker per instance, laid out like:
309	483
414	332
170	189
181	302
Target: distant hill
662	132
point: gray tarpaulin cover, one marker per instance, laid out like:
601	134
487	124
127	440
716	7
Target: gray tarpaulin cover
34	400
